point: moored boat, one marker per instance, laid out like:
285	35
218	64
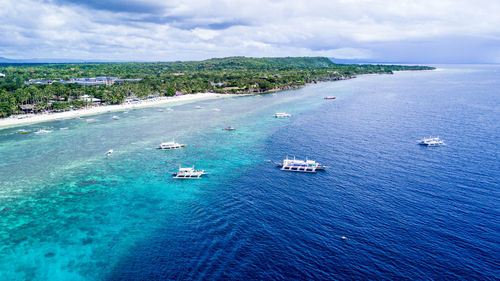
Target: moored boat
330	98
170	145
230	128
282	115
188	173
430	141
295	165
43	132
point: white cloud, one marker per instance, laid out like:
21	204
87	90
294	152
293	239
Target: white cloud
202	29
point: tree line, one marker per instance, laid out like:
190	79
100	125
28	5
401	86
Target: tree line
221	75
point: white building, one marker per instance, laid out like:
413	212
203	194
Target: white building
2	75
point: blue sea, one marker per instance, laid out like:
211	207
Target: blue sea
68	212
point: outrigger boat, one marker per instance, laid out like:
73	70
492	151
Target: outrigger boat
330	98
295	165
188	173
230	128
431	141
170	145
282	115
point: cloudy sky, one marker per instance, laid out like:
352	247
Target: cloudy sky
425	31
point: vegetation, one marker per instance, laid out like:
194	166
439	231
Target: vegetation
222	75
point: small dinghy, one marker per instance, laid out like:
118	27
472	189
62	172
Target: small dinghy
43	132
109	152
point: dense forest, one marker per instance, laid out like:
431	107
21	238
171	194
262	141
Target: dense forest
221	75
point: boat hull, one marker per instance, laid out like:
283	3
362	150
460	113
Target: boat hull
300	168
187	177
174	147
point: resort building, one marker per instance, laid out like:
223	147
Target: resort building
2	75
87	98
103	80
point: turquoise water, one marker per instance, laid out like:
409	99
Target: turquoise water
68	212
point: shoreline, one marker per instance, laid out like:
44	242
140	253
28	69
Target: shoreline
26	119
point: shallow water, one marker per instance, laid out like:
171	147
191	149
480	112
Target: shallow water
68	212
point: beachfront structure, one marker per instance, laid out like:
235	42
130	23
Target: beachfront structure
27	108
2	75
90	99
102	80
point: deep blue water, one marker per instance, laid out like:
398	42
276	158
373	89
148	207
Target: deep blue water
408	212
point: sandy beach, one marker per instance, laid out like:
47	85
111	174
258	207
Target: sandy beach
24	119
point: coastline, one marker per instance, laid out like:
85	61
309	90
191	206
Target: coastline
25	119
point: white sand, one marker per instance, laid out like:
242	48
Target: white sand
17	120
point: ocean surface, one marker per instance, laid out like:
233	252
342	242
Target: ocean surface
68	212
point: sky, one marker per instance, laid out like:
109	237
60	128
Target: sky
416	31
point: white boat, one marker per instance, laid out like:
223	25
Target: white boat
170	145
43	132
188	173
115	117
295	165
90	120
198	107
230	128
64	128
216	109
109	152
430	141
282	115
169	109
